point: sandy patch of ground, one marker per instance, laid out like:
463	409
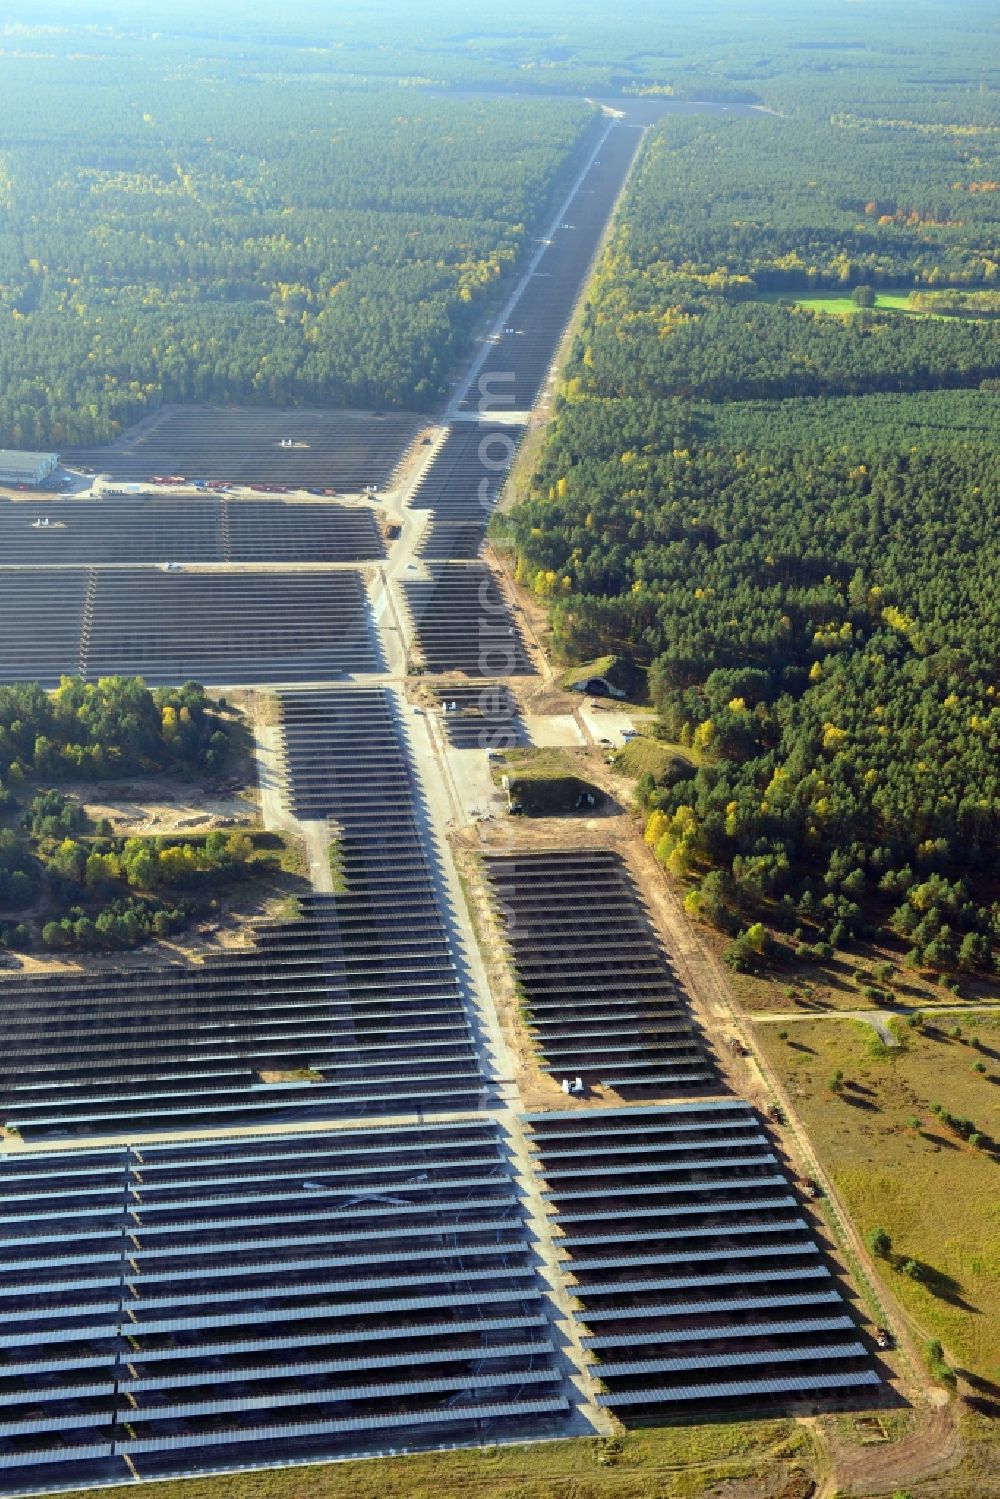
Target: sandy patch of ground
550	731
223	932
164	806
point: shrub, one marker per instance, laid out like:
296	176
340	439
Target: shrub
880	1243
741	955
938	1365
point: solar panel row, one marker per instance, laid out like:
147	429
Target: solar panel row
224	628
162	528
246	445
602	1001
434	1326
517	366
354	1008
461	621
461	487
654	1295
483	716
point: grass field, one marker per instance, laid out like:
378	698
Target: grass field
839	304
899	1168
642	755
837	983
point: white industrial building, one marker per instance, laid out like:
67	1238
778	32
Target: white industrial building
26	468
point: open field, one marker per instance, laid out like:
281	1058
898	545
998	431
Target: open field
899	1167
840	304
802	988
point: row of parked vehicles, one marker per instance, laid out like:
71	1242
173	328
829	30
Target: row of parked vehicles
223	485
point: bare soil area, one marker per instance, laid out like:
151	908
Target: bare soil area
161	806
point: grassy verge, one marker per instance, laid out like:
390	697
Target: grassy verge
664	1463
336	856
902	1167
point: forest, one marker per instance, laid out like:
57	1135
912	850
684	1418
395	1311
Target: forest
212	205
783	55
726	212
96	890
170	243
115	726
791	518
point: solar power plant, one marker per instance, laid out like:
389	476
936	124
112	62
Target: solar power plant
461	488
355	1009
239	1302
483	716
603	1000
243	445
462	622
224	628
516	367
41	616
161	528
346	763
696	1273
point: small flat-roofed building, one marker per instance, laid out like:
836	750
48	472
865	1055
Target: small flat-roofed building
26	468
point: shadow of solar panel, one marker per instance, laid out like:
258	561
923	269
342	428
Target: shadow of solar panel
530	342
602	1000
694	1267
243	445
461	622
313	1290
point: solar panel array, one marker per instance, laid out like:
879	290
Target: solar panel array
526	349
223	628
41	619
461	488
462	622
346	762
354	1009
267	1298
599	995
484	716
696	1274
160	528
243	445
